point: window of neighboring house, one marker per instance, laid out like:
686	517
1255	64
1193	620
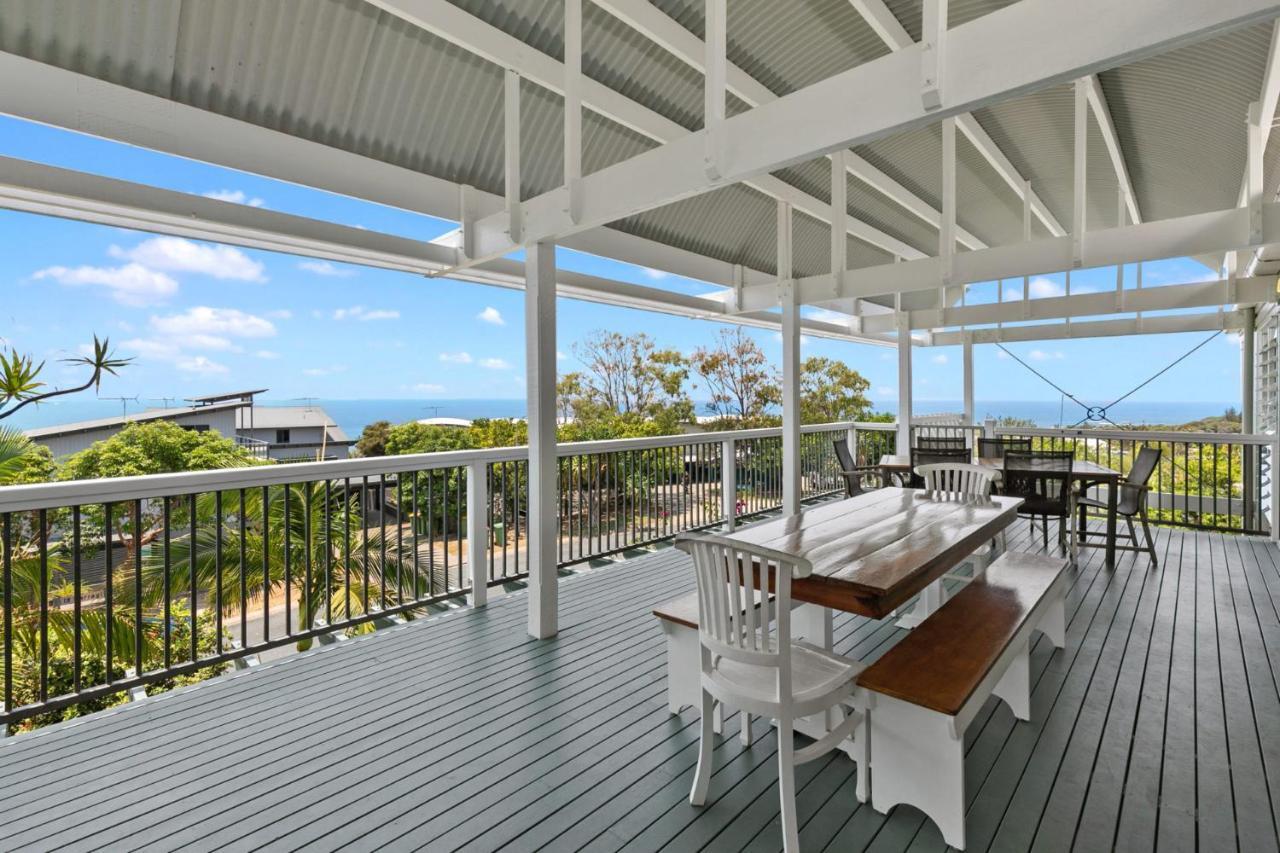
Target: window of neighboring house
282	436
196	427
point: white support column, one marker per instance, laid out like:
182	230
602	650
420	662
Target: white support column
1080	151
714	86
787	296
1247	343
947	230
839	217
573	106
540	359
904	382
1253	174
511	131
729	482
968	379
478	531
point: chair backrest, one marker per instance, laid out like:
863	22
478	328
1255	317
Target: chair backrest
1139	475
952	480
1042	478
737	619
995	448
941	442
843	456
942	456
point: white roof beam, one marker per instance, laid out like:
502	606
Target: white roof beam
67	194
646	19
1164	325
892	33
1040	43
1102	113
1200	294
1195	234
511	155
573	105
454	25
1080	165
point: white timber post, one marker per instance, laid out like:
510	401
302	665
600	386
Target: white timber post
573	107
947	228
789	298
933	53
478	531
968	379
1080	156
1253	165
540	358
714	86
839	219
729	483
904	382
511	135
1247	343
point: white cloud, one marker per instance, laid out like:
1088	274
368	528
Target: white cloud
1002	354
491	315
150	348
132	284
280	314
326	269
1044	288
201	365
940	358
822	315
176	254
428	388
560	356
324	371
656	275
456	357
885	393
270	355
359	312
205	322
494	363
235	197
1041	355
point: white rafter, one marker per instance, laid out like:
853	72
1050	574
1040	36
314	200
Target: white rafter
646	19
454	25
891	32
1102	113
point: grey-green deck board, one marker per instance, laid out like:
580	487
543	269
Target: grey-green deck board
1157	727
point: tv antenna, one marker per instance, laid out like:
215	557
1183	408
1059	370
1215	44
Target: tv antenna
124	404
165	401
434	410
309	401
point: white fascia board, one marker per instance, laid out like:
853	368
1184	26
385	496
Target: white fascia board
646	19
54	96
1164	298
52	191
883	22
1197	234
1038	43
1164	325
449	22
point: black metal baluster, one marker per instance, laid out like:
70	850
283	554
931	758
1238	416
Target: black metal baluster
417	568
244	589
168	592
286	527
108	584
191	566
458	503
364	535
308	615
7	548
266	561
137	588
346	543
76	628
382	537
217	569
399	538
431	535
328	552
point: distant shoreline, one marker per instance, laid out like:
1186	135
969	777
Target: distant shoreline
353	415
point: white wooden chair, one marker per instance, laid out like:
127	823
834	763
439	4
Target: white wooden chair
751	663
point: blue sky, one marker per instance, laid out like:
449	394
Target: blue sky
200	318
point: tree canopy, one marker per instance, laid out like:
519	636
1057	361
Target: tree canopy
832	391
20	383
743	386
373	439
626	378
158	447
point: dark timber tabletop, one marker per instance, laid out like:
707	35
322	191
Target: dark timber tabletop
1158	727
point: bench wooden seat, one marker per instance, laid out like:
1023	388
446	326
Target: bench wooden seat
928	688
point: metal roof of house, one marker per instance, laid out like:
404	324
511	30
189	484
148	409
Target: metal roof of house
141	417
289	417
346	74
228	395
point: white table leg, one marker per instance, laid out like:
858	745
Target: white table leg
930	600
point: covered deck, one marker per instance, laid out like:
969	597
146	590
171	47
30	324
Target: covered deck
1157	726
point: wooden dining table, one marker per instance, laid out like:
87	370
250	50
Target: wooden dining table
871	553
1084	473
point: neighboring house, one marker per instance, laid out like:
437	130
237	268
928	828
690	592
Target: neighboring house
282	433
66	439
294	433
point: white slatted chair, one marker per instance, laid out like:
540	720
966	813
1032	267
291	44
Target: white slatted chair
751	663
950	481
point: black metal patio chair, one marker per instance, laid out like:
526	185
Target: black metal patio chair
855	475
1043	480
941	442
1131	501
995	448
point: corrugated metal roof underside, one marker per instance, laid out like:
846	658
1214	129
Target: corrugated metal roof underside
343	73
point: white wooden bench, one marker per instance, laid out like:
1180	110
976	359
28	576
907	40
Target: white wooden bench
924	692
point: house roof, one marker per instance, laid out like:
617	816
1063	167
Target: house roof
290	417
141	417
229	395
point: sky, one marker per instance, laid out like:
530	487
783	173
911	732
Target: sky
200	318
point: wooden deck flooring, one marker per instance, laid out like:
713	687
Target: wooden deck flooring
1158	727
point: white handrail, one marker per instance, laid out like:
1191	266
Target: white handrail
1142	434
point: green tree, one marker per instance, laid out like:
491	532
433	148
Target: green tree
20	383
157	447
627	376
742	385
23	461
831	391
373	439
499	432
413	437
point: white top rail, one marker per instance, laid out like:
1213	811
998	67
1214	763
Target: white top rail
1142	434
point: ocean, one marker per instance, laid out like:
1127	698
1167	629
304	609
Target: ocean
353	415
